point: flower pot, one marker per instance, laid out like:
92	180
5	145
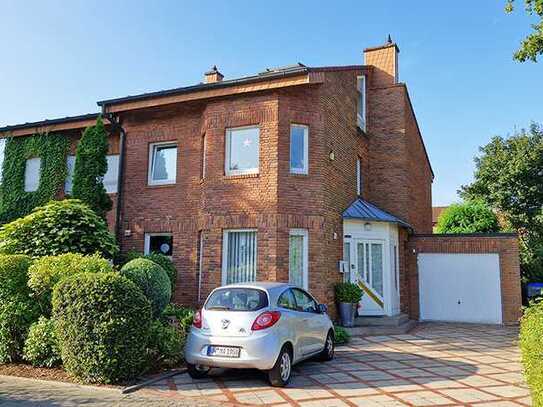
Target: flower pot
346	313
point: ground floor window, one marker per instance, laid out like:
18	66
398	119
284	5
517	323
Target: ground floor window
159	243
239	256
298	258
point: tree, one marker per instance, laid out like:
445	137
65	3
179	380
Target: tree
532	45
468	217
90	168
509	178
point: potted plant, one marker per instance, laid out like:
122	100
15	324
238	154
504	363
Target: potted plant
348	295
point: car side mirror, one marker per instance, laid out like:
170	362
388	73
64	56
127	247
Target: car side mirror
323	308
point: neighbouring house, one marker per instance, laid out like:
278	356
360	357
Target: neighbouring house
311	175
436	213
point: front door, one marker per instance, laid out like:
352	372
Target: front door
368	269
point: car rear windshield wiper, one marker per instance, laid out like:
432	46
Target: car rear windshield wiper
219	307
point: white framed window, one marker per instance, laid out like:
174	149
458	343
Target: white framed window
358	176
2	154
299	151
111	177
162	163
159	243
32	174
70	167
298	257
242	150
361	103
239	259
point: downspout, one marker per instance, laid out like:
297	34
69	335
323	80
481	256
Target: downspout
115	121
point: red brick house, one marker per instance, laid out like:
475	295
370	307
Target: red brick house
303	174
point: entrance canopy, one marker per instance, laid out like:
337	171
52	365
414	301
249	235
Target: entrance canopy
364	210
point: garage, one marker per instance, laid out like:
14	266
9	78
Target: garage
459	287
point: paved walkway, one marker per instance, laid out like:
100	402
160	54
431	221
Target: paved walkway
435	365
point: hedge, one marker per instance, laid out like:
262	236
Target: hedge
531	346
67	226
165	348
102	324
49	270
152	280
41	345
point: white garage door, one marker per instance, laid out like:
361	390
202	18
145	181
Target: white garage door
460	287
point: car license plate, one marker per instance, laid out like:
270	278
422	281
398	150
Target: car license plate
223	351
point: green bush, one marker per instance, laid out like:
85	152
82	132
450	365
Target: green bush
152	280
67	226
16	316
102	323
341	336
41	347
531	346
165	347
17	310
468	217
183	315
161	260
90	168
348	292
49	270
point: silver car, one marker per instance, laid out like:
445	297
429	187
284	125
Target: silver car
267	326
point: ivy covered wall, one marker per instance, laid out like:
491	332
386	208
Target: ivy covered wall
51	149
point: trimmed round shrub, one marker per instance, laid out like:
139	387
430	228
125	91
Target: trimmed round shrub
160	259
67	226
49	270
152	280
468	217
531	346
165	347
41	346
102	325
17	310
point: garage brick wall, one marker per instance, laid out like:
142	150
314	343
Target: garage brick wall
506	245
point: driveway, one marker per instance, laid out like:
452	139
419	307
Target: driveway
435	365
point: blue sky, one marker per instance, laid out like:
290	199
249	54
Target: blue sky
59	57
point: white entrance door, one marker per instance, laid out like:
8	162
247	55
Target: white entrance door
460	287
369	271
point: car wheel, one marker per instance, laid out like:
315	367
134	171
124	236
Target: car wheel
197	371
279	374
329	348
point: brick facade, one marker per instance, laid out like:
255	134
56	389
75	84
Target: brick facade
505	245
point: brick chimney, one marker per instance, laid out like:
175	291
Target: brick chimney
384	60
213	75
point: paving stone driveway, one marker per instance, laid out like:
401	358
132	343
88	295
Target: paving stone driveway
435	365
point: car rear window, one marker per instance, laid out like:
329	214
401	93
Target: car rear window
237	299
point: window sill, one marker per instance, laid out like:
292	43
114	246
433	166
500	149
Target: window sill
241	176
153	186
298	174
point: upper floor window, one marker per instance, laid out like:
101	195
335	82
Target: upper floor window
361	105
242	151
2	153
299	138
110	177
162	163
32	174
358	176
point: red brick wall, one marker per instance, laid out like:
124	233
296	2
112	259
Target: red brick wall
505	245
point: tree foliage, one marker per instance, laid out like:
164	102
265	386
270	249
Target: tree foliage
532	45
468	217
90	168
509	178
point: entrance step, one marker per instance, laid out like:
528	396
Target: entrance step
378	326
396	320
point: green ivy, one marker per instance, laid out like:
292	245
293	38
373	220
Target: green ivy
52	150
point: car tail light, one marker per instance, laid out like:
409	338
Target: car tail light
197	320
265	320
